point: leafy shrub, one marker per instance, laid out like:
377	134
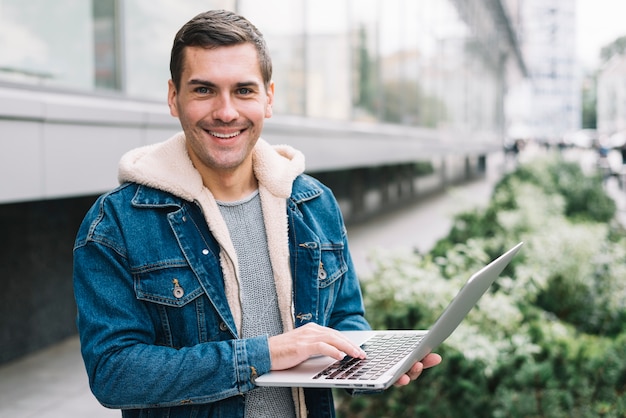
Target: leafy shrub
548	340
584	197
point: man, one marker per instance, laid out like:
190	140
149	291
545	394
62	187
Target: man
217	259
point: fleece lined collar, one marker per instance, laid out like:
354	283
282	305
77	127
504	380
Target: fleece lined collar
166	166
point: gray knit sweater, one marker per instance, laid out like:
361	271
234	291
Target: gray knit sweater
260	312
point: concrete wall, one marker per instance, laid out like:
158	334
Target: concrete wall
58	145
36	301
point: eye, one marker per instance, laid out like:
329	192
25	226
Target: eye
202	90
244	91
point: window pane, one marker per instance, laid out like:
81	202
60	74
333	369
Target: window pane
365	60
47	43
328	60
428	63
149	29
106	45
282	25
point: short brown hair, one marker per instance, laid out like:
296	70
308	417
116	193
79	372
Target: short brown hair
218	28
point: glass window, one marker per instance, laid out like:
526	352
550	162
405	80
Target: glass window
282	25
47	43
428	63
328	59
396	92
106	45
149	29
365	60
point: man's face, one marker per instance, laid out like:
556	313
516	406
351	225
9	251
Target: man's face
221	104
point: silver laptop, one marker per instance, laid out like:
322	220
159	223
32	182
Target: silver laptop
390	354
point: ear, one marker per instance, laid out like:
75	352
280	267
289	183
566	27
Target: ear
270	100
171	98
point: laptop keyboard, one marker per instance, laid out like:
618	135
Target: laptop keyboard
383	352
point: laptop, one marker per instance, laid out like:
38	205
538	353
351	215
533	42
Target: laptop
397	350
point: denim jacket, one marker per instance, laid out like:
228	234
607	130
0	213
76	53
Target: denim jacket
157	335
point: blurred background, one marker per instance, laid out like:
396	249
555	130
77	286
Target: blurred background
393	102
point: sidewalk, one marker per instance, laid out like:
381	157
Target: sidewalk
52	383
421	225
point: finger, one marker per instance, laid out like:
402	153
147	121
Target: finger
412	374
403	380
431	360
332	337
342	343
416	370
325	349
293	347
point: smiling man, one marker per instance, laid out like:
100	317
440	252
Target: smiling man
216	259
221	101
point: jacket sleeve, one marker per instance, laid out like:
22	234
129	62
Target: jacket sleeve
126	368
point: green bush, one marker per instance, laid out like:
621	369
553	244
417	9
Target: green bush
584	197
548	340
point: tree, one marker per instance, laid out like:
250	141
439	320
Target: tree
617	47
589	102
367	95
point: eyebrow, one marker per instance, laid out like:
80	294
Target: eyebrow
206	83
198	82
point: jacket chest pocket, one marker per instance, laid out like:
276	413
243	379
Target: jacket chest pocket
173	286
332	265
181	315
331	269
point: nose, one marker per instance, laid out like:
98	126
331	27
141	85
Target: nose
225	109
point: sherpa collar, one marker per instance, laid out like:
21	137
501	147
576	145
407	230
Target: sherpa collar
166	166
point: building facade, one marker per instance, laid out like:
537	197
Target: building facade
547	34
367	89
440	65
611	98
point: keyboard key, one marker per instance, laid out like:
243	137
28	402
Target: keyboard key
383	352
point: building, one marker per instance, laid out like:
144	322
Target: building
547	33
611	97
370	90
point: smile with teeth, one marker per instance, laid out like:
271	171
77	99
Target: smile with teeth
225	136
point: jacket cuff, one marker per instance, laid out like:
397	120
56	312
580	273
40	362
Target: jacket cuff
253	360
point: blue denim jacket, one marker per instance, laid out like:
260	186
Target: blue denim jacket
153	354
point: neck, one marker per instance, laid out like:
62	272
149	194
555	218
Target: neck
231	186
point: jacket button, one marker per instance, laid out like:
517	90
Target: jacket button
223	327
178	291
321	274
